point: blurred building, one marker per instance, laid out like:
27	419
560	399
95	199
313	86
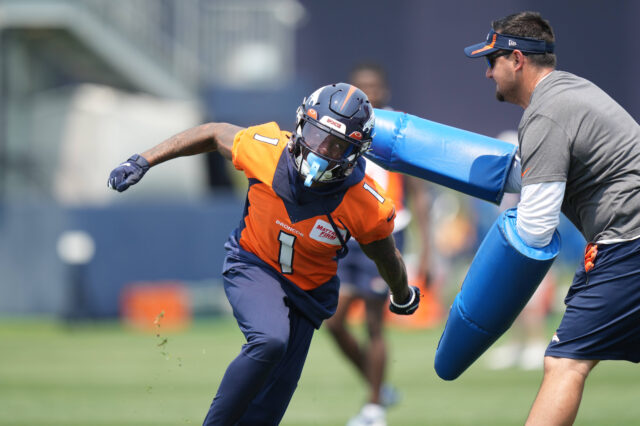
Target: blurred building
86	83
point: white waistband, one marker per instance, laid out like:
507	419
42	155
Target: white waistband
617	240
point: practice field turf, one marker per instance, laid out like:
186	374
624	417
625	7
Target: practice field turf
106	374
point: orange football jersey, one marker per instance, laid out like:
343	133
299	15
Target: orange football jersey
299	244
393	185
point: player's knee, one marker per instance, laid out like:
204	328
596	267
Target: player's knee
265	348
375	332
334	326
555	365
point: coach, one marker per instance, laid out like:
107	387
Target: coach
580	154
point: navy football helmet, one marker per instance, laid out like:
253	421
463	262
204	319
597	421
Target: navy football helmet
333	129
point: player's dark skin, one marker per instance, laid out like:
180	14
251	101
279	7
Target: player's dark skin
219	137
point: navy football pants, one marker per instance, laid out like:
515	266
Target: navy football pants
602	319
260	381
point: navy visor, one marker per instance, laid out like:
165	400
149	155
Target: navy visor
496	41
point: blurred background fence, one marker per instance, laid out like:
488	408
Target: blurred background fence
86	83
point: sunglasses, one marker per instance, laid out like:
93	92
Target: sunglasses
491	59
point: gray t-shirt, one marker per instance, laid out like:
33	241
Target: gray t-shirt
573	131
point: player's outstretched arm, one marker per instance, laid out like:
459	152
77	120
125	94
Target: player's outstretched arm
404	299
196	140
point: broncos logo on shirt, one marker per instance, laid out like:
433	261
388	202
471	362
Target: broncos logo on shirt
298	239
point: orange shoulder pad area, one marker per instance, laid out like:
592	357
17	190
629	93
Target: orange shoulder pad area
368	212
392	182
256	148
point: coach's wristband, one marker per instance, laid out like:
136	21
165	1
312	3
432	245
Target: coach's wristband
406	305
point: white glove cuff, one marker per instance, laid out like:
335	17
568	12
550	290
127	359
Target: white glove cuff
406	305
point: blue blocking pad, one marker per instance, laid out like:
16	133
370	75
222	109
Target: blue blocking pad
502	278
468	162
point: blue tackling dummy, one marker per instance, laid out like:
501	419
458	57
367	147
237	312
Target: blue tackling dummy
505	272
503	276
468	162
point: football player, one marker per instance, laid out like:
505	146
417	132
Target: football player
307	196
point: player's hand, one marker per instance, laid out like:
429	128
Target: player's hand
407	307
128	173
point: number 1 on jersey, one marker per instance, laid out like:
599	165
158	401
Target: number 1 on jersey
286	252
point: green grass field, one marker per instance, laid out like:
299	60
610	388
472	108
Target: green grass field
106	374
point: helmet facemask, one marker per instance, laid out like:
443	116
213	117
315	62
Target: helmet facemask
321	156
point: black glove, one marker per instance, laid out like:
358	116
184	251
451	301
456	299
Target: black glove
128	173
408	306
